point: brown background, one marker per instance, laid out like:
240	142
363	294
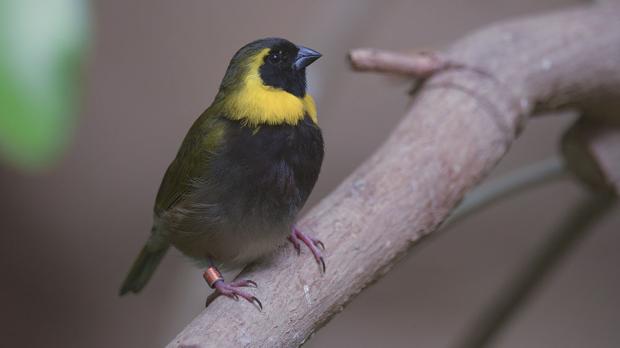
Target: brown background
69	236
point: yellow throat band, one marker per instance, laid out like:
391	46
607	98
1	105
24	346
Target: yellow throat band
255	103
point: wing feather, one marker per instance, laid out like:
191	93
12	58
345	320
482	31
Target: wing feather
191	164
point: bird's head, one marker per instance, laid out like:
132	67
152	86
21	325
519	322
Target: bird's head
266	82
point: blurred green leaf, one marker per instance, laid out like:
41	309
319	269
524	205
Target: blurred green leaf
41	49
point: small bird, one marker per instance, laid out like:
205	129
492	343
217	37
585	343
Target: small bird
243	172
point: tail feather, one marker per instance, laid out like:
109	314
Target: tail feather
142	269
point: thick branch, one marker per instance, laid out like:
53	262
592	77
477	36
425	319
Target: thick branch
459	126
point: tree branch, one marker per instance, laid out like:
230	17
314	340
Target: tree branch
505	305
591	148
515	182
419	65
459	126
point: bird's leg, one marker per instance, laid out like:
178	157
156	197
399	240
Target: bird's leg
313	244
215	280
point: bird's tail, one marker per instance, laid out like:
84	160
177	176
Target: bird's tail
143	268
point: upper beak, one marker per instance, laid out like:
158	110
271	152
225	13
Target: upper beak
305	57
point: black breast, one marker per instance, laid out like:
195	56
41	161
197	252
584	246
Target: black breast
267	172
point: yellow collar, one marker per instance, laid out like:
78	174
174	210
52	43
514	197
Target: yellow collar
255	103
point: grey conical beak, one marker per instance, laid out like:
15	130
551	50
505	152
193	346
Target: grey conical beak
305	57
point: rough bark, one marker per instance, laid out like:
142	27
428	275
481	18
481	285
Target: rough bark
457	128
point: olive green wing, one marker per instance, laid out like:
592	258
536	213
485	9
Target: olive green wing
191	163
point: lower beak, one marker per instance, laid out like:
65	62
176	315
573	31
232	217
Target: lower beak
305	57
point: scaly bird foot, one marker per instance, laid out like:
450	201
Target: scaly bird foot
232	289
312	243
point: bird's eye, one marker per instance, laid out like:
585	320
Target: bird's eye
275	57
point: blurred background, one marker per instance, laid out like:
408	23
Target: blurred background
95	98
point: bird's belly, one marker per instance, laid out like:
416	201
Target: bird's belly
233	245
247	203
233	222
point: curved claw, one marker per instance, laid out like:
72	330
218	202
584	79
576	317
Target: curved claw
210	298
233	291
315	245
257	302
319	244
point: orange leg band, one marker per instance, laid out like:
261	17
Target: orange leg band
212	275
